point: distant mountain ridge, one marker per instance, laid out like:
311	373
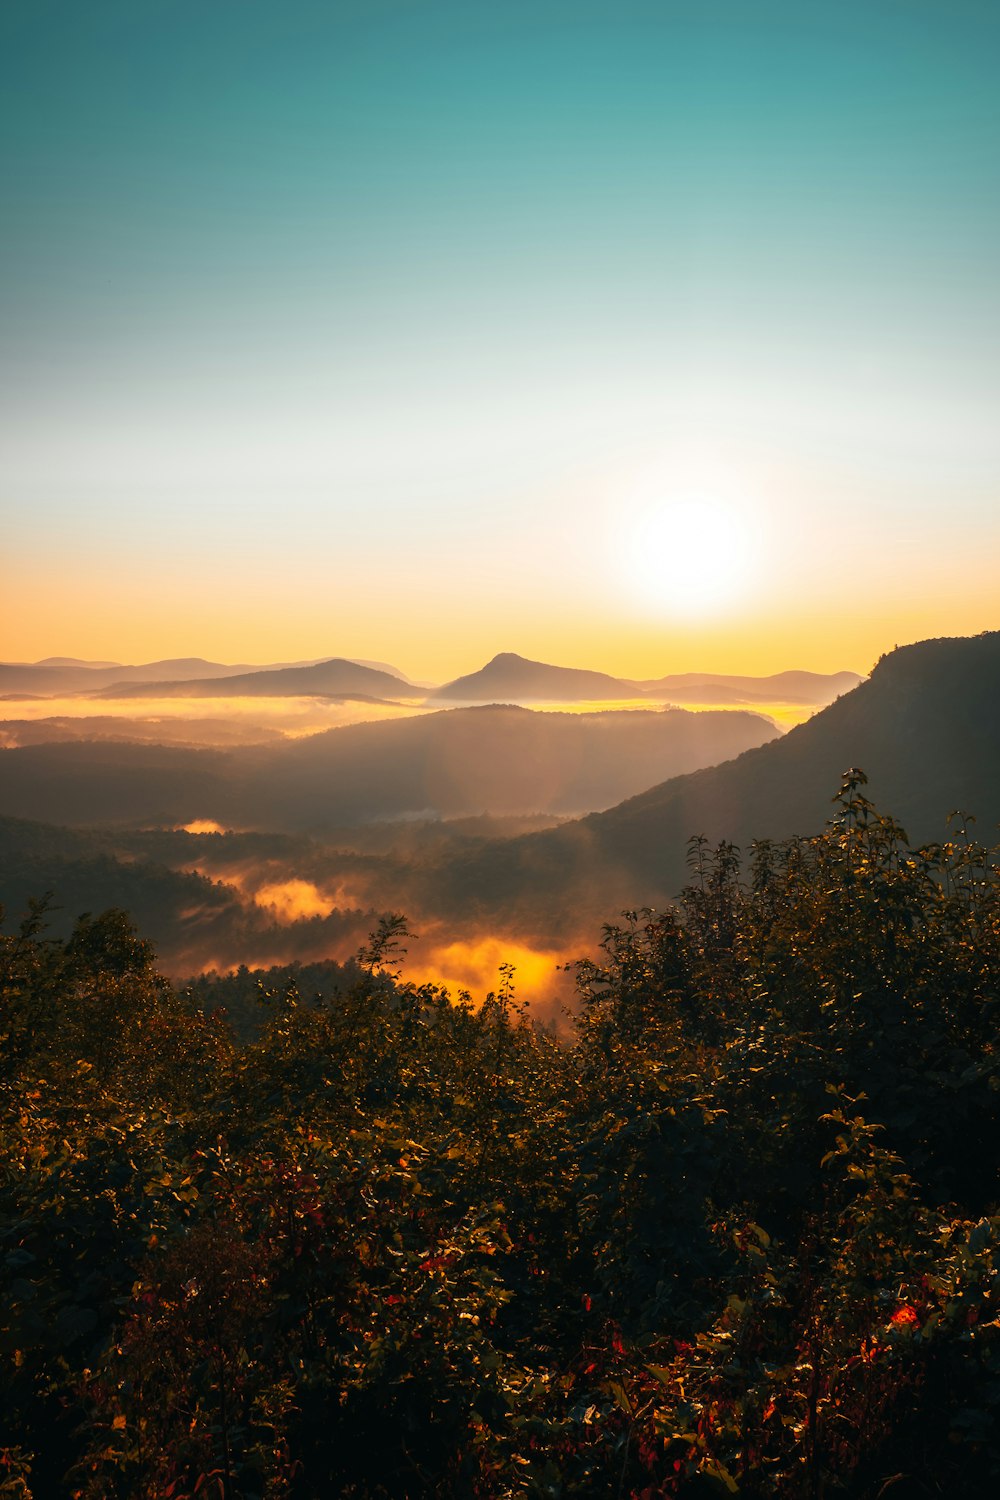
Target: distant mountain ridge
337	677
512	678
65	675
781	687
69	661
507	678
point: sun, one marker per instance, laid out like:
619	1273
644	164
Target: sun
690	552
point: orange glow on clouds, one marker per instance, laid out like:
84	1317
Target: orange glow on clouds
474	966
293	900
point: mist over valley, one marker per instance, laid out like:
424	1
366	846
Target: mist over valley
495	828
219	807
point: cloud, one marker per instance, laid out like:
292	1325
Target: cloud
293	900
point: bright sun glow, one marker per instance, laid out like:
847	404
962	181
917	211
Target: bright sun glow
691	551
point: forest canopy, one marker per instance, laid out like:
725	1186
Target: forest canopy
737	1234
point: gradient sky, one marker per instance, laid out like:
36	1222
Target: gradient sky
421	331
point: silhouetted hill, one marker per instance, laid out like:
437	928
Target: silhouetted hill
335	678
45	679
174	667
498	759
925	727
73	661
459	761
510	678
65	674
781	687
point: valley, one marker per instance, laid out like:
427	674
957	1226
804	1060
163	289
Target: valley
493	828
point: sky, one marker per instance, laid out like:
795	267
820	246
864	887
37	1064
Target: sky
647	337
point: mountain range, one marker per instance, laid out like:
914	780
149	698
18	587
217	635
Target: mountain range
507	678
57	675
780	687
925	727
335	678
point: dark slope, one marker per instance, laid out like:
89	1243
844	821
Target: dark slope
501	760
113	783
337	678
510	678
925	728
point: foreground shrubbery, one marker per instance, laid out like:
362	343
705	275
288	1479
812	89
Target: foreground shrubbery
739	1235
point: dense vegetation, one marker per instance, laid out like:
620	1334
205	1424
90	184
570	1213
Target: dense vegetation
738	1234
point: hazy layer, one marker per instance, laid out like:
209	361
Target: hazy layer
477	890
208	721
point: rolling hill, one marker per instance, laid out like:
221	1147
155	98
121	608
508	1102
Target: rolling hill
334	678
59	675
455	762
66	675
497	759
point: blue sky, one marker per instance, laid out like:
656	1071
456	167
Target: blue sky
333	304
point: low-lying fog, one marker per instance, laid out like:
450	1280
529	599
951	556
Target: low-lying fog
213	904
201	721
257	721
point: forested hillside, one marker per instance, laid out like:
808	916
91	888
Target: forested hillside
925	726
737	1235
448	764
